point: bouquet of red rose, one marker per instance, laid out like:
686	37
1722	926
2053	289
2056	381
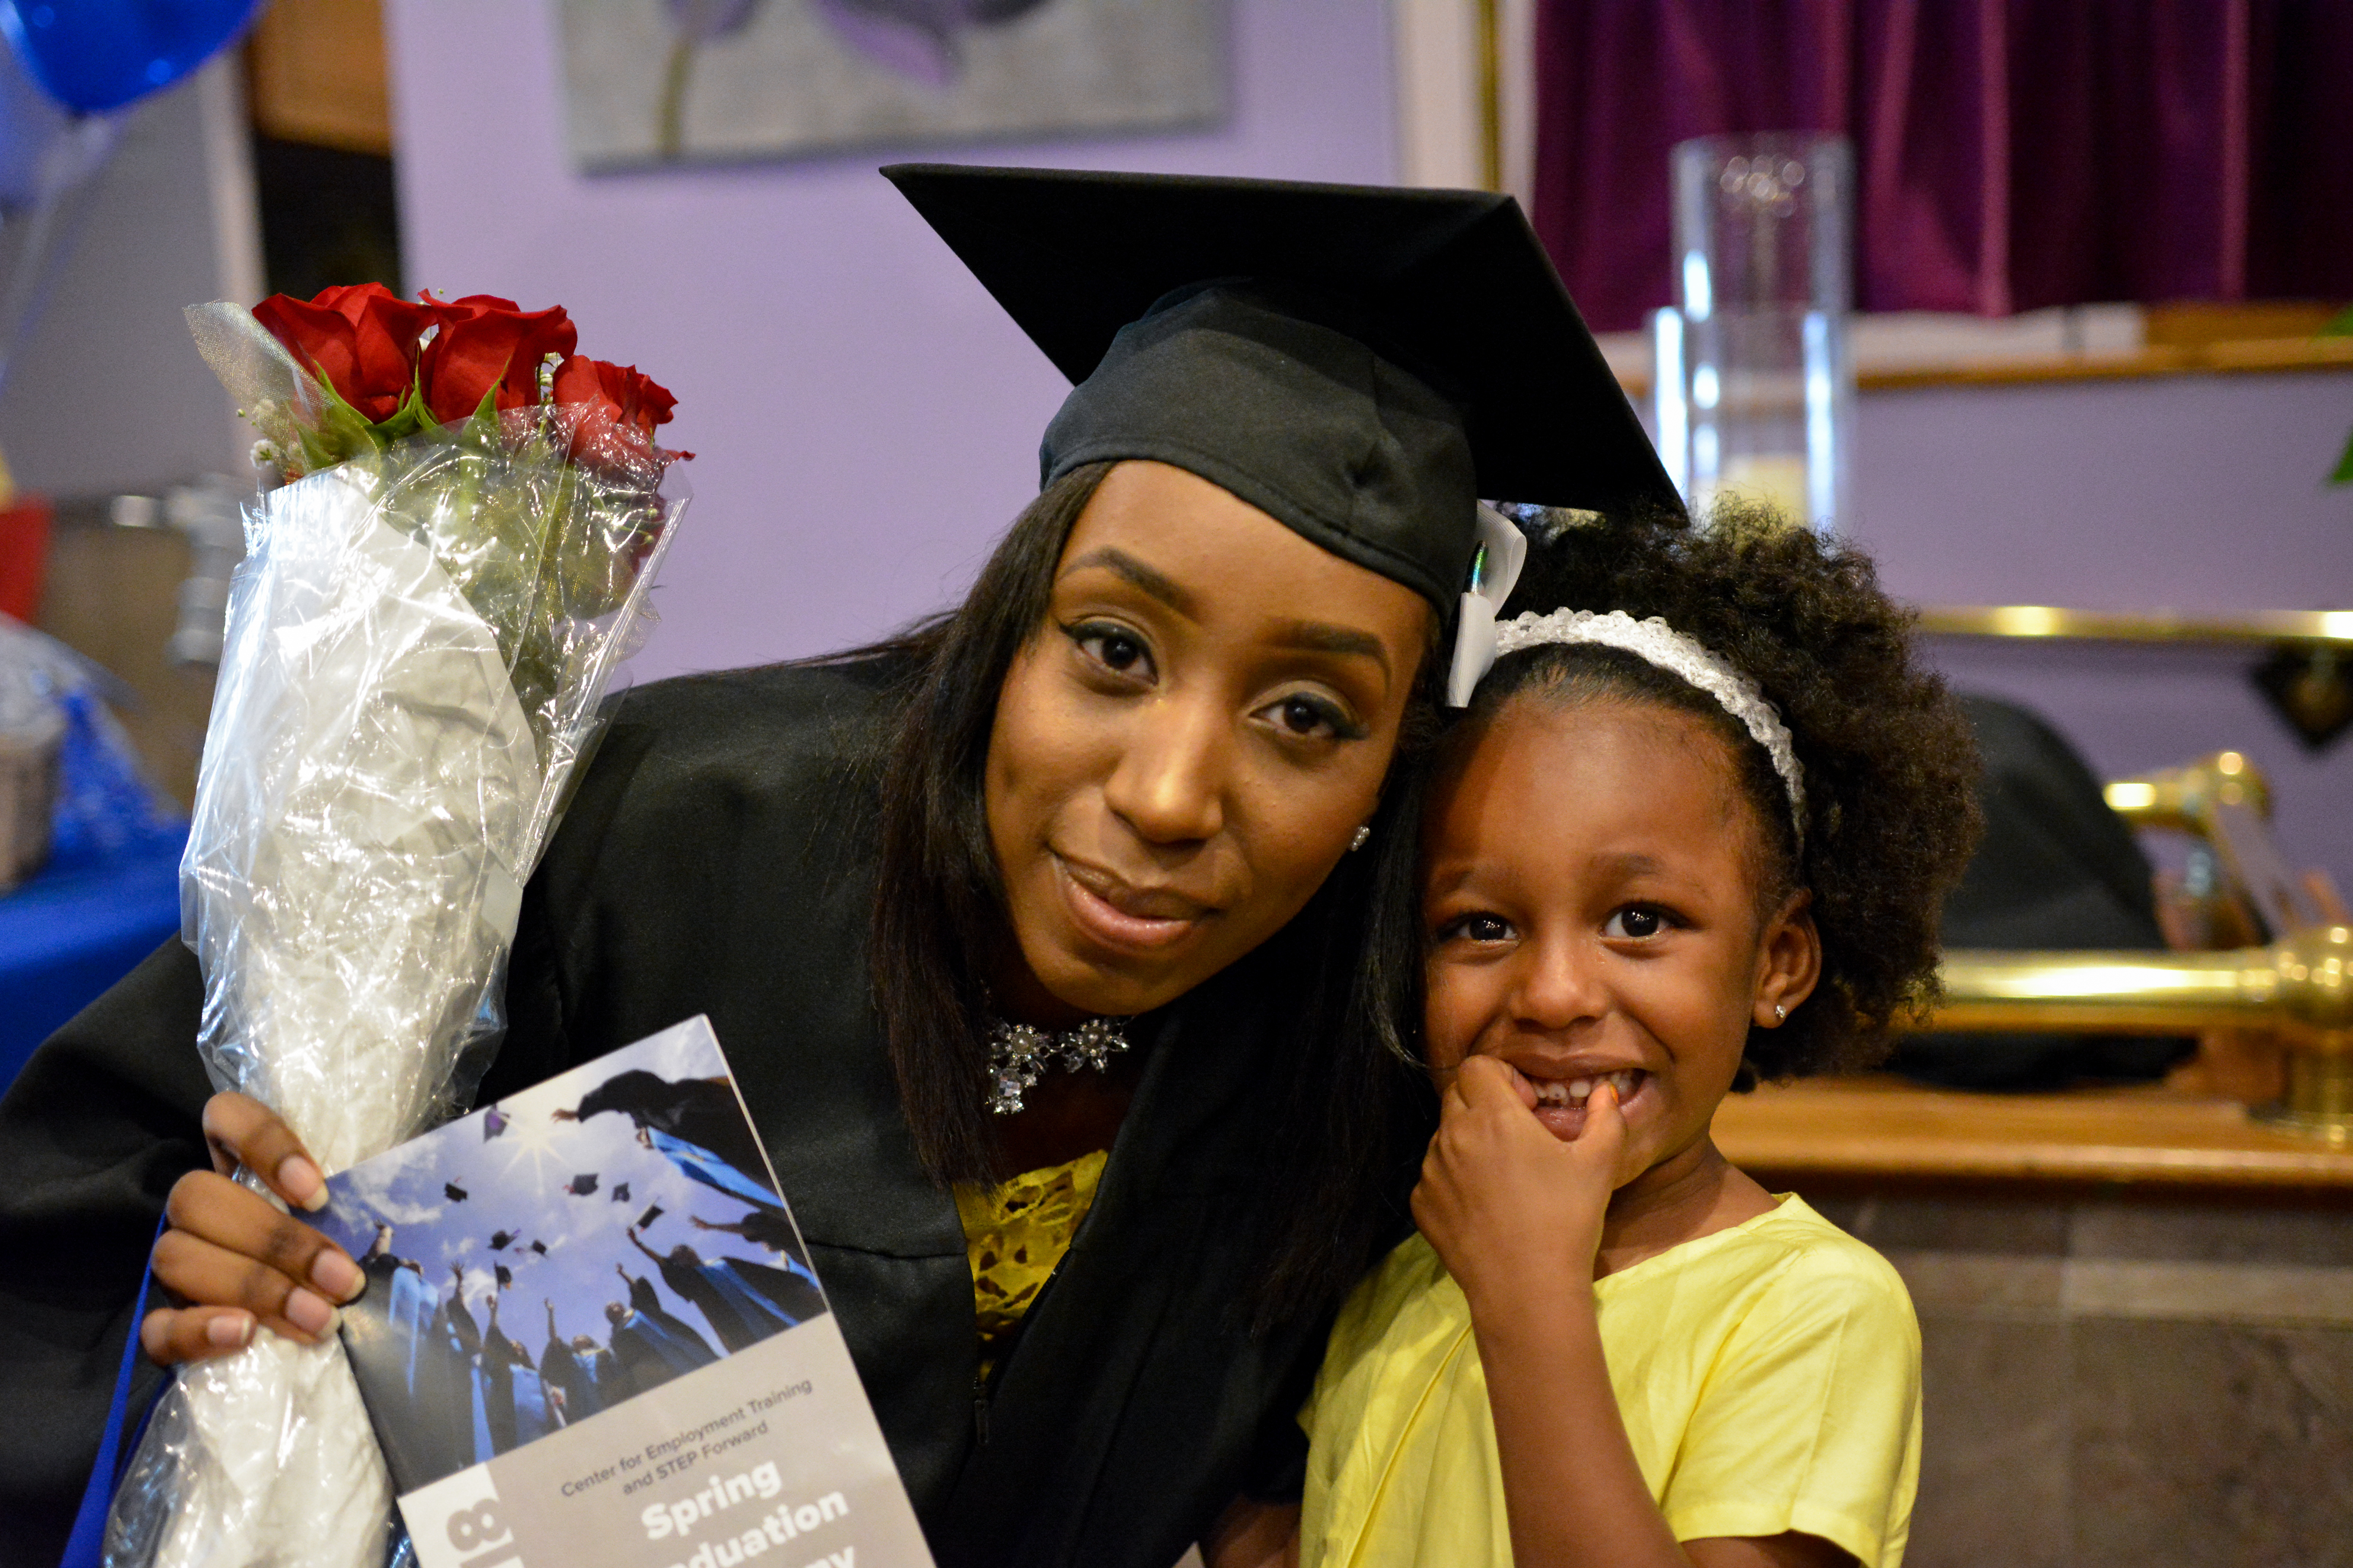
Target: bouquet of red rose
430	612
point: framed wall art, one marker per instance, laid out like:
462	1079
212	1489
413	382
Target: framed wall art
649	82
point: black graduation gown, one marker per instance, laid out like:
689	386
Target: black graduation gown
588	1380
718	859
648	1303
768	1227
651	1351
791	1289
699	1111
738	1319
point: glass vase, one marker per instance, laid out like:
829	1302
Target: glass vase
1753	388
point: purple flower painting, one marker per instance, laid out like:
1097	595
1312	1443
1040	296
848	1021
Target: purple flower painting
920	39
651	82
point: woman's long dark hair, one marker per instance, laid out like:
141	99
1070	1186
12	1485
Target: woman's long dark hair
939	903
939	919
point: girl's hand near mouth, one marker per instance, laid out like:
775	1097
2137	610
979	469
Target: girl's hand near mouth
1515	1212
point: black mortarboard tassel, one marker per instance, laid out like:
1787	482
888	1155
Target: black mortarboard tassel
583	1185
453	1192
1224	326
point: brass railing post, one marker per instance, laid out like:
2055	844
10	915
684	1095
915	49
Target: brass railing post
2299	989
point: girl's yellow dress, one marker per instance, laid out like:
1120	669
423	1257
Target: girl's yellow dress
1768	1376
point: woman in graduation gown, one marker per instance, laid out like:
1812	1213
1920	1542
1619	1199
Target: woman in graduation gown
516	1394
584	1370
461	1436
701	1112
739	1312
651	1345
1110	797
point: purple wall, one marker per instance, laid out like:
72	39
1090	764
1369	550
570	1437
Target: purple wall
2192	493
868	419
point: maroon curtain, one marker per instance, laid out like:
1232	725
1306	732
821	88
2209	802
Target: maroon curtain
2010	154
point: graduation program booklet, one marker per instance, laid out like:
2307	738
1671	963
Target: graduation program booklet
591	1336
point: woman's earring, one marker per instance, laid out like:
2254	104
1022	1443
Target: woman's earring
1780	1013
1364	833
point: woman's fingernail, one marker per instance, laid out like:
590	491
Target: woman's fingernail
310	1313
300	1180
229	1332
338	1276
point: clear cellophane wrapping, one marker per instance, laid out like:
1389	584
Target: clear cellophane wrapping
420	642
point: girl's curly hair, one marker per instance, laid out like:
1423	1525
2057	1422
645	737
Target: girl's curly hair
1889	762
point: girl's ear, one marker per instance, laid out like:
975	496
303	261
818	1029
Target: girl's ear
1788	962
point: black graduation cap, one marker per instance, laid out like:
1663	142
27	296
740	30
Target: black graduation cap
621	1192
453	1192
505	1277
1221	325
540	1247
493	1123
653	1212
582	1187
499	1240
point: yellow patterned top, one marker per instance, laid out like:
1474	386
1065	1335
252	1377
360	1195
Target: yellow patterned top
1015	1234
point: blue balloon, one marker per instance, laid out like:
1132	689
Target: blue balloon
97	55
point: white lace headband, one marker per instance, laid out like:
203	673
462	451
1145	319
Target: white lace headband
1479	642
1656	643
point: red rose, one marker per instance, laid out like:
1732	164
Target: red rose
486	344
619	406
360	340
622	393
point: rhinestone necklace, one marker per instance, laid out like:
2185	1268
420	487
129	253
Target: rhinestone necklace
1019	1054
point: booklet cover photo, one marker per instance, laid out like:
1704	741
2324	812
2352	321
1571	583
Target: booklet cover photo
591	1335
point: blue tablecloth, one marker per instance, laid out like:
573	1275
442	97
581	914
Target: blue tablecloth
73	931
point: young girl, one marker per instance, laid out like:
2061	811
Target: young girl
1670	850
